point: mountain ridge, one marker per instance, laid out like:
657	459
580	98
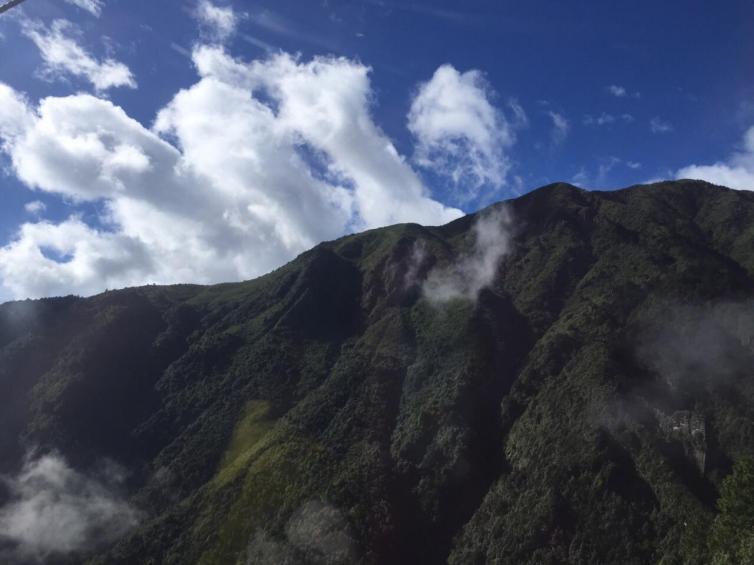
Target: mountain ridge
332	411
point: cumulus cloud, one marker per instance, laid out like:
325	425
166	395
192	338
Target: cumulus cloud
459	132
94	7
735	172
63	56
470	273
560	127
658	125
219	22
55	510
245	169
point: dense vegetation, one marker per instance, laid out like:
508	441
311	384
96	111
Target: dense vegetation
594	405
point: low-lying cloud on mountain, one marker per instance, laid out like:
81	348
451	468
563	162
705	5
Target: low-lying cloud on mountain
707	345
468	274
54	509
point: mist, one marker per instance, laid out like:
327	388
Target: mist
707	345
470	273
317	532
53	509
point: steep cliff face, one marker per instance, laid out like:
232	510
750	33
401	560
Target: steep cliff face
565	381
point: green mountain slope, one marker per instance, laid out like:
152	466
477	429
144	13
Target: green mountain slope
586	407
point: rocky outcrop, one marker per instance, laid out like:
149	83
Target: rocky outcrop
690	430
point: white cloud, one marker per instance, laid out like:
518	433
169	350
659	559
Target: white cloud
325	105
15	117
62	56
658	125
736	172
91	260
35	207
469	274
459	132
94	7
218	21
560	127
265	159
56	510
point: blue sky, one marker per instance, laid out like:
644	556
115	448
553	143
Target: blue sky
478	101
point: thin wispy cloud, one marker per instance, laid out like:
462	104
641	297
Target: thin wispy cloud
94	7
599	176
560	127
658	125
256	42
277	24
605	118
447	14
181	50
64	56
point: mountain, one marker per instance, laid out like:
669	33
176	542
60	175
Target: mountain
562	378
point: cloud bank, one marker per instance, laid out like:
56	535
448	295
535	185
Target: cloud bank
56	510
253	164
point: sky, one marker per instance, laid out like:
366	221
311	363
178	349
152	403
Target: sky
214	140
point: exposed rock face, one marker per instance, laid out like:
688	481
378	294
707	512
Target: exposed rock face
582	407
689	428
